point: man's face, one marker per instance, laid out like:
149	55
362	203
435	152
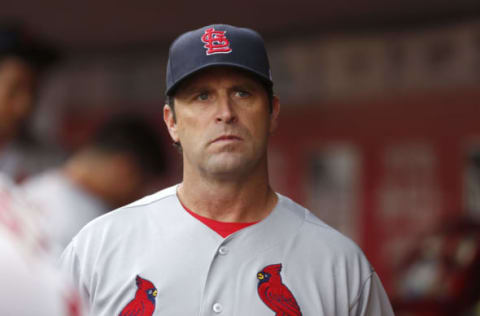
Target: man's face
222	121
17	90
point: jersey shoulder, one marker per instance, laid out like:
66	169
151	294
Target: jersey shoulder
149	199
130	216
327	247
327	238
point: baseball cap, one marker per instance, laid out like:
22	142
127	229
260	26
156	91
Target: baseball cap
217	45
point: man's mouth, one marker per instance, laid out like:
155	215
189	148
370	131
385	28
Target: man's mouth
227	138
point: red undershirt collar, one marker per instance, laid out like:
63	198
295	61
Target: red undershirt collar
224	229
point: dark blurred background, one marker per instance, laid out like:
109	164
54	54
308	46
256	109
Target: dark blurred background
380	122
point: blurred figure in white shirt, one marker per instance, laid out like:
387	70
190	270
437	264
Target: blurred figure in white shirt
22	62
115	168
29	283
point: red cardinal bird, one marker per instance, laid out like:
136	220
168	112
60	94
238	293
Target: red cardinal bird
275	294
144	302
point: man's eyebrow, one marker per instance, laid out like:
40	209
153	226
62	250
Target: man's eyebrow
192	89
245	85
245	82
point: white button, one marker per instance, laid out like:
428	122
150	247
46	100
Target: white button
217	308
223	250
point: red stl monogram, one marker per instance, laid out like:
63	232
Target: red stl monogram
216	42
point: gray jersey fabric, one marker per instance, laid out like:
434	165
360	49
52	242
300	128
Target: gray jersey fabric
197	272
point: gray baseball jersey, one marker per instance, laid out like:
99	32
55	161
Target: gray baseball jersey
153	258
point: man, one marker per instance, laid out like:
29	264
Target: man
115	167
222	241
22	60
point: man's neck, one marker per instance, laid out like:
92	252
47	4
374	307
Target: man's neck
249	200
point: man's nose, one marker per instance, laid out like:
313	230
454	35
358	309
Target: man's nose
226	112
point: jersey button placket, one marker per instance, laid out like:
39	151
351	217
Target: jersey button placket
217	308
213	294
223	250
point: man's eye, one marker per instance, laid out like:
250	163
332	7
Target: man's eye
242	94
202	96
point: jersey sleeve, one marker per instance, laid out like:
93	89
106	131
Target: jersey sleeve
372	300
70	266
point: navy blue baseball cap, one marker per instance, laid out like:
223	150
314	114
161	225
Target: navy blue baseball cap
217	45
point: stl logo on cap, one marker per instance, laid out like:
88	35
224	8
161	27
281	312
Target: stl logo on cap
216	42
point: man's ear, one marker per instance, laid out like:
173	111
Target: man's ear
274	114
170	122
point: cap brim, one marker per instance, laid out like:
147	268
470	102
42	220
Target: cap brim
259	75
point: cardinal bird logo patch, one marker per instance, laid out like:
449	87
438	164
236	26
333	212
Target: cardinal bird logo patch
144	302
275	294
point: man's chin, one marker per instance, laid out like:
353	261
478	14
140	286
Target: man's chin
228	165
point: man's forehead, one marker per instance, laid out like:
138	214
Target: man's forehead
218	74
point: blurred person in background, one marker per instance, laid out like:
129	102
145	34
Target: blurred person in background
441	276
22	62
117	166
29	283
